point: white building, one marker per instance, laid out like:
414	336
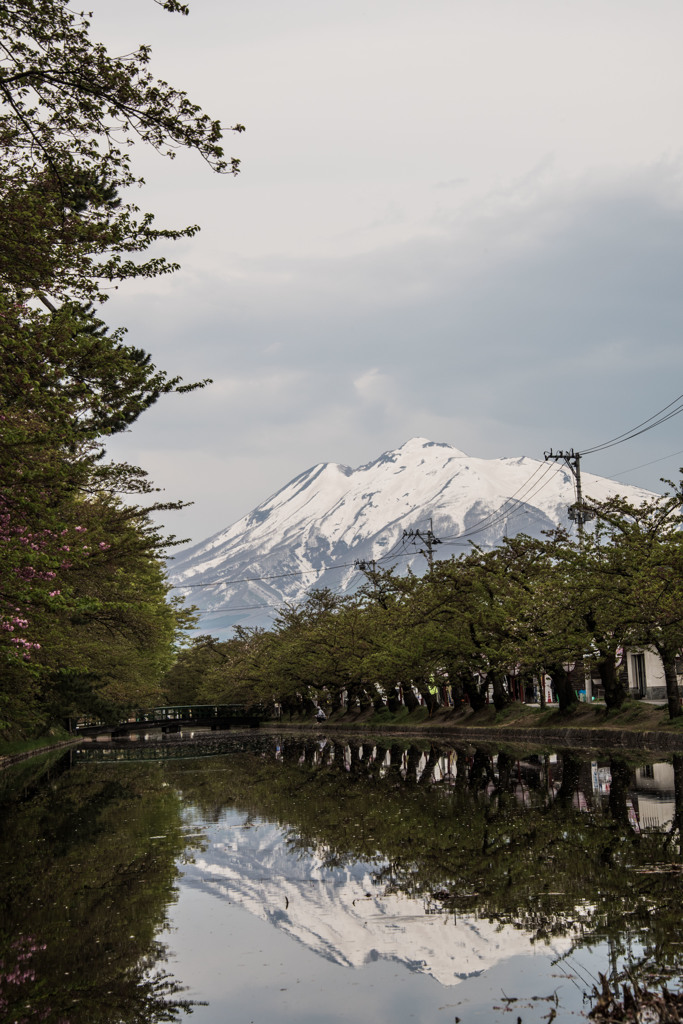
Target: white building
646	674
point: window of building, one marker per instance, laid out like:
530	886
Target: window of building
638	667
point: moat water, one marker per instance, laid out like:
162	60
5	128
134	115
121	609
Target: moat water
263	877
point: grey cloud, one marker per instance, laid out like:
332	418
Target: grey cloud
559	323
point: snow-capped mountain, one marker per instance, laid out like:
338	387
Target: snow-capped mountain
340	913
312	531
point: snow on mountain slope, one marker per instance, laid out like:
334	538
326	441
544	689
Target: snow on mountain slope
340	913
310	533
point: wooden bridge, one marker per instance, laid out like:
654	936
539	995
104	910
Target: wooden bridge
173	719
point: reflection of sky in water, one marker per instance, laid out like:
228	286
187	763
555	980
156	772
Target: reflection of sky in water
266	934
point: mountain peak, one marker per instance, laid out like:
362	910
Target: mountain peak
414	444
313	531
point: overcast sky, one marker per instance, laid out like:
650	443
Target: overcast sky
457	220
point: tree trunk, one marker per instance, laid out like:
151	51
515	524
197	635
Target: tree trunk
455	682
413	761
364	699
505	764
431	699
566	695
619	788
677	826
571	770
613	685
481	771
474	692
432	758
673	696
500	697
409	698
378	764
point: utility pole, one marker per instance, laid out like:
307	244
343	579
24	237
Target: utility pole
578	513
428	539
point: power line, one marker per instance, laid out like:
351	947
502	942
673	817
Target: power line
492	519
240	608
460	538
640	428
500	513
623	472
579	512
485	523
272	576
522	495
341	565
489	520
510	509
258	579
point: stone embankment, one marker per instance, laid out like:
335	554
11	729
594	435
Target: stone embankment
635	727
587	739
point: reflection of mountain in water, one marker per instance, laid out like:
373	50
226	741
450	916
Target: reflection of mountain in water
338	912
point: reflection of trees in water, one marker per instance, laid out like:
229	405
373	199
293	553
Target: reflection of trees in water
523	842
88	872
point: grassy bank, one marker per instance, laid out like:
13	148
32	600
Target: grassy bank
633	715
12	748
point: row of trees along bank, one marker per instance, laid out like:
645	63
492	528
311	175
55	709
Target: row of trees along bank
486	620
85	624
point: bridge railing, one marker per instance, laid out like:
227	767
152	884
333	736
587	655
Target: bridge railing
176	713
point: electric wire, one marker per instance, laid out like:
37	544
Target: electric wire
641	428
511	508
392	553
516	503
515	508
623	472
278	576
242	608
258	579
518	498
497	515
400	542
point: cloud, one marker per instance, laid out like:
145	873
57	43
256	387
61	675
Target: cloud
373	386
546	316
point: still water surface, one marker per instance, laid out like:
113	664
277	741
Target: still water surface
266	878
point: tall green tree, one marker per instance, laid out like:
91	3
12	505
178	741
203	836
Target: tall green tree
69	114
